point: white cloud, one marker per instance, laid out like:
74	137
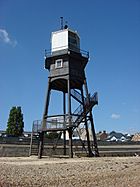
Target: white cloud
4	37
115	116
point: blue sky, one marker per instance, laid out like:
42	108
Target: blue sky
109	30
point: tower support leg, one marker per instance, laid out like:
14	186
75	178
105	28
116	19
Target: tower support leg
41	139
94	135
70	143
46	105
64	141
70	130
64	132
86	126
41	143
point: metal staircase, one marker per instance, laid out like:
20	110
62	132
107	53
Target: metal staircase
79	114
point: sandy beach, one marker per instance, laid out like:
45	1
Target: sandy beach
80	172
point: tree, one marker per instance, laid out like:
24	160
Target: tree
15	124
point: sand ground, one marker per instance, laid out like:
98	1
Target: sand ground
80	172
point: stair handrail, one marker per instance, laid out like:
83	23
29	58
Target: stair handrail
89	102
76	94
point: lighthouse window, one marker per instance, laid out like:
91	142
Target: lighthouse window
72	41
58	63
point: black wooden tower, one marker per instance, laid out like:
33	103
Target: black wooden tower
66	64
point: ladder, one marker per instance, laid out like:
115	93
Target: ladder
34	143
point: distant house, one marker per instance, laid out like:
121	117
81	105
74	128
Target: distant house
102	135
118	137
136	137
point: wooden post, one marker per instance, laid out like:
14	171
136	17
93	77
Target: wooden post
94	135
70	142
41	139
46	104
41	142
86	125
69	115
64	132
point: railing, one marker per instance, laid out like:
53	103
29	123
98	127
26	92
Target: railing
64	50
37	126
56	122
62	122
84	53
